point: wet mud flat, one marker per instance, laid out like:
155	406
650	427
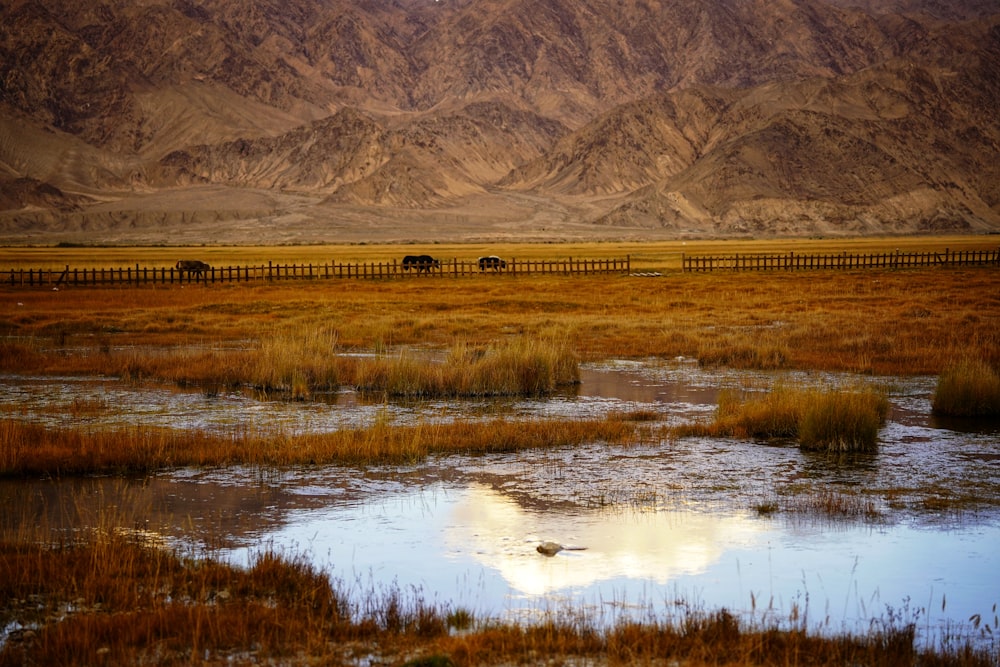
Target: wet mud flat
665	526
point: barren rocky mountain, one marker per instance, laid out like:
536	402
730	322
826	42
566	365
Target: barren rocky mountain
163	121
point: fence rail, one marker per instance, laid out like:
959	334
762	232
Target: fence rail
139	275
794	262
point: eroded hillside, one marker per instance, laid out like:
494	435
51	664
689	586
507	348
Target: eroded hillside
325	120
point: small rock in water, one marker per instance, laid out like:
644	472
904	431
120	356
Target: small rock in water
552	548
549	548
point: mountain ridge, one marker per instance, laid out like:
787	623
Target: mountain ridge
413	119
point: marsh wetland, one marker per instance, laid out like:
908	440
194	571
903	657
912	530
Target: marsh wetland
760	528
415	498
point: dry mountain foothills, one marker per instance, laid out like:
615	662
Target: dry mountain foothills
320	121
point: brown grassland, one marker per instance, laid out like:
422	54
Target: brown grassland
883	322
119	600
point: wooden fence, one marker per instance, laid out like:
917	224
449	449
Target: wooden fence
793	262
138	275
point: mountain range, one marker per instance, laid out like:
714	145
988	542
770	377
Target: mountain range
197	121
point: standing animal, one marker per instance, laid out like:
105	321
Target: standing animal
492	262
422	263
193	266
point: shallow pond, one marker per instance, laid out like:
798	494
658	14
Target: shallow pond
665	527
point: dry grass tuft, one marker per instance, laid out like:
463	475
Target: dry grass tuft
771	414
843	421
519	367
968	388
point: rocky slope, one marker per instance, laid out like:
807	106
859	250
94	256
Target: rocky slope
316	120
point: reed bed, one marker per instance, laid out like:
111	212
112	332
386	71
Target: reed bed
520	367
35	450
107	598
832	420
969	388
299	363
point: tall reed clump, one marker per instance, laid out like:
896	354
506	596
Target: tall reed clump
521	367
400	374
843	421
968	388
295	362
773	414
836	420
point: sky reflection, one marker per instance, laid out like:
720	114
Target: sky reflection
474	546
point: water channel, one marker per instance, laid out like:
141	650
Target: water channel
665	527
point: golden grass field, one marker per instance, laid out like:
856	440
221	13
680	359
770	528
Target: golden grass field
142	604
885	322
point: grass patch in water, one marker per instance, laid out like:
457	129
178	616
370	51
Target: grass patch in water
34	450
833	420
843	421
830	503
968	388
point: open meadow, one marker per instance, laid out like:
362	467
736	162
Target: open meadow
459	379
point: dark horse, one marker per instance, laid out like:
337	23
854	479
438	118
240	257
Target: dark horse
422	263
492	262
193	266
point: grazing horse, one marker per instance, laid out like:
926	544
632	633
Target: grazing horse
193	266
422	263
492	262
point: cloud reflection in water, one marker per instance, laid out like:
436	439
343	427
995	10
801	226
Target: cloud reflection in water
651	546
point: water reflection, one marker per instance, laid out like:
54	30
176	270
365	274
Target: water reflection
475	546
650	546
